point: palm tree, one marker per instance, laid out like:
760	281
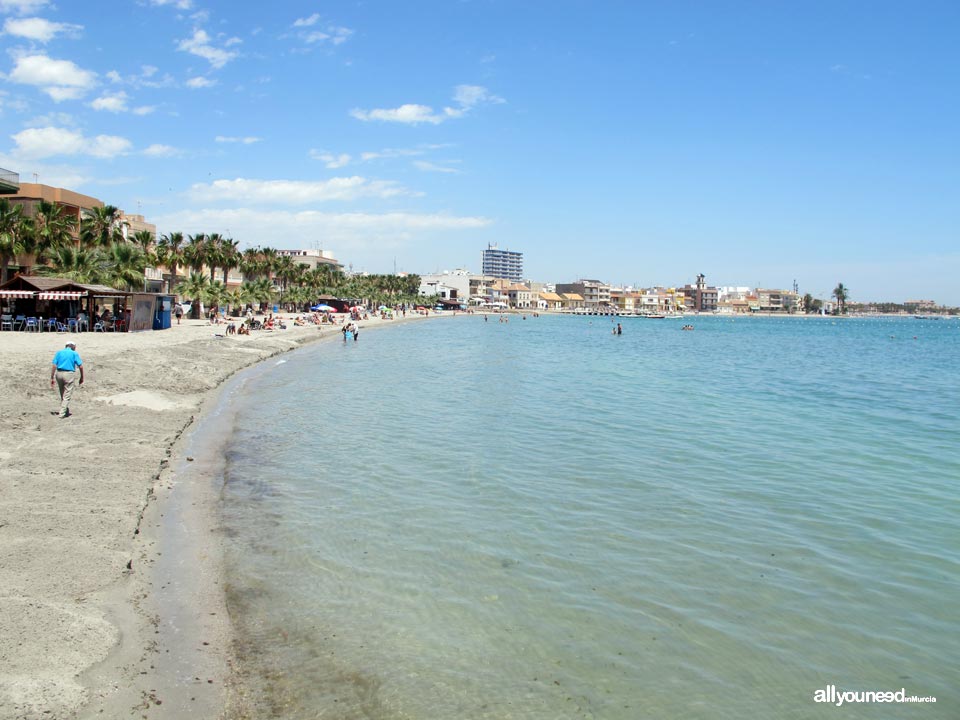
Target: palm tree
262	291
145	240
215	253
52	228
83	265
170	253
841	294
100	227
229	257
284	268
215	294
237	298
125	265
195	252
195	288
15	229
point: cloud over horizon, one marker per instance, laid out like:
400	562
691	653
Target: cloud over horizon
295	192
467	97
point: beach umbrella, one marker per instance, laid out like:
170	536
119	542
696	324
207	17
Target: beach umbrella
323	308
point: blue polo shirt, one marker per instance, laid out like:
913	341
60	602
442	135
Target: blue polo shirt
67	359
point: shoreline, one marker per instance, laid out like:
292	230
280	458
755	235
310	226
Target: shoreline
91	508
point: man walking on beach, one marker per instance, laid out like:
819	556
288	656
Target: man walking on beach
62	371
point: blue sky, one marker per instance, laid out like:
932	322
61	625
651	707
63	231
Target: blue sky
632	142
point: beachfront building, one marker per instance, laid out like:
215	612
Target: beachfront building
455	283
595	294
9	182
549	301
505	264
312	258
519	296
777	300
572	301
627	302
700	297
733	306
74	204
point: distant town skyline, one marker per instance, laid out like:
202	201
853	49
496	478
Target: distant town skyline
637	143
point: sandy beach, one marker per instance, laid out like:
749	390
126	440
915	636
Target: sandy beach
110	596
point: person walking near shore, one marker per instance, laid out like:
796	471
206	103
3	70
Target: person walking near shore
63	371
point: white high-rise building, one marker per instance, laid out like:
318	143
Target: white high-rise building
503	263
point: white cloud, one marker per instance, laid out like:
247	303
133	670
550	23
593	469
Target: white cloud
330	160
22	7
400	152
179	4
53	141
467	97
53	118
147	78
295	192
39	29
409	114
431	167
308	21
200	45
60	79
336	35
200	82
350	234
144	110
111	103
249	140
158	150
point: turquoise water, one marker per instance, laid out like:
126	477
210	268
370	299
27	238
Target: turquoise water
469	519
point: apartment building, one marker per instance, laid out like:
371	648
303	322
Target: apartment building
595	294
505	264
700	297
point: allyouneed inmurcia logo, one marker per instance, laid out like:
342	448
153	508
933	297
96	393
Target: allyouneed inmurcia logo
831	695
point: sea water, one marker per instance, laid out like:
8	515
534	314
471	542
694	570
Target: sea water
465	518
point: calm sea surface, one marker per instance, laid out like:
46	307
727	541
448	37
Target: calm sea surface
469	519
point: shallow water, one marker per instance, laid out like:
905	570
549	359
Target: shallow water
469	519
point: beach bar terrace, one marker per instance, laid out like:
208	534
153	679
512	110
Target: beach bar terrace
31	302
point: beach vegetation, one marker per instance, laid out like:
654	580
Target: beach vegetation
123	265
170	254
80	264
841	294
101	226
15	233
53	228
195	288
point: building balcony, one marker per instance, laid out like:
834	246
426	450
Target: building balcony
9	182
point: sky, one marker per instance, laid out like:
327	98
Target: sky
636	142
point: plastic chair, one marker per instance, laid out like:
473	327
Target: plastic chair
98	327
6	322
19	322
52	324
31	324
73	325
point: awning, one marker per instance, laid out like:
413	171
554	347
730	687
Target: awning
16	293
61	295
